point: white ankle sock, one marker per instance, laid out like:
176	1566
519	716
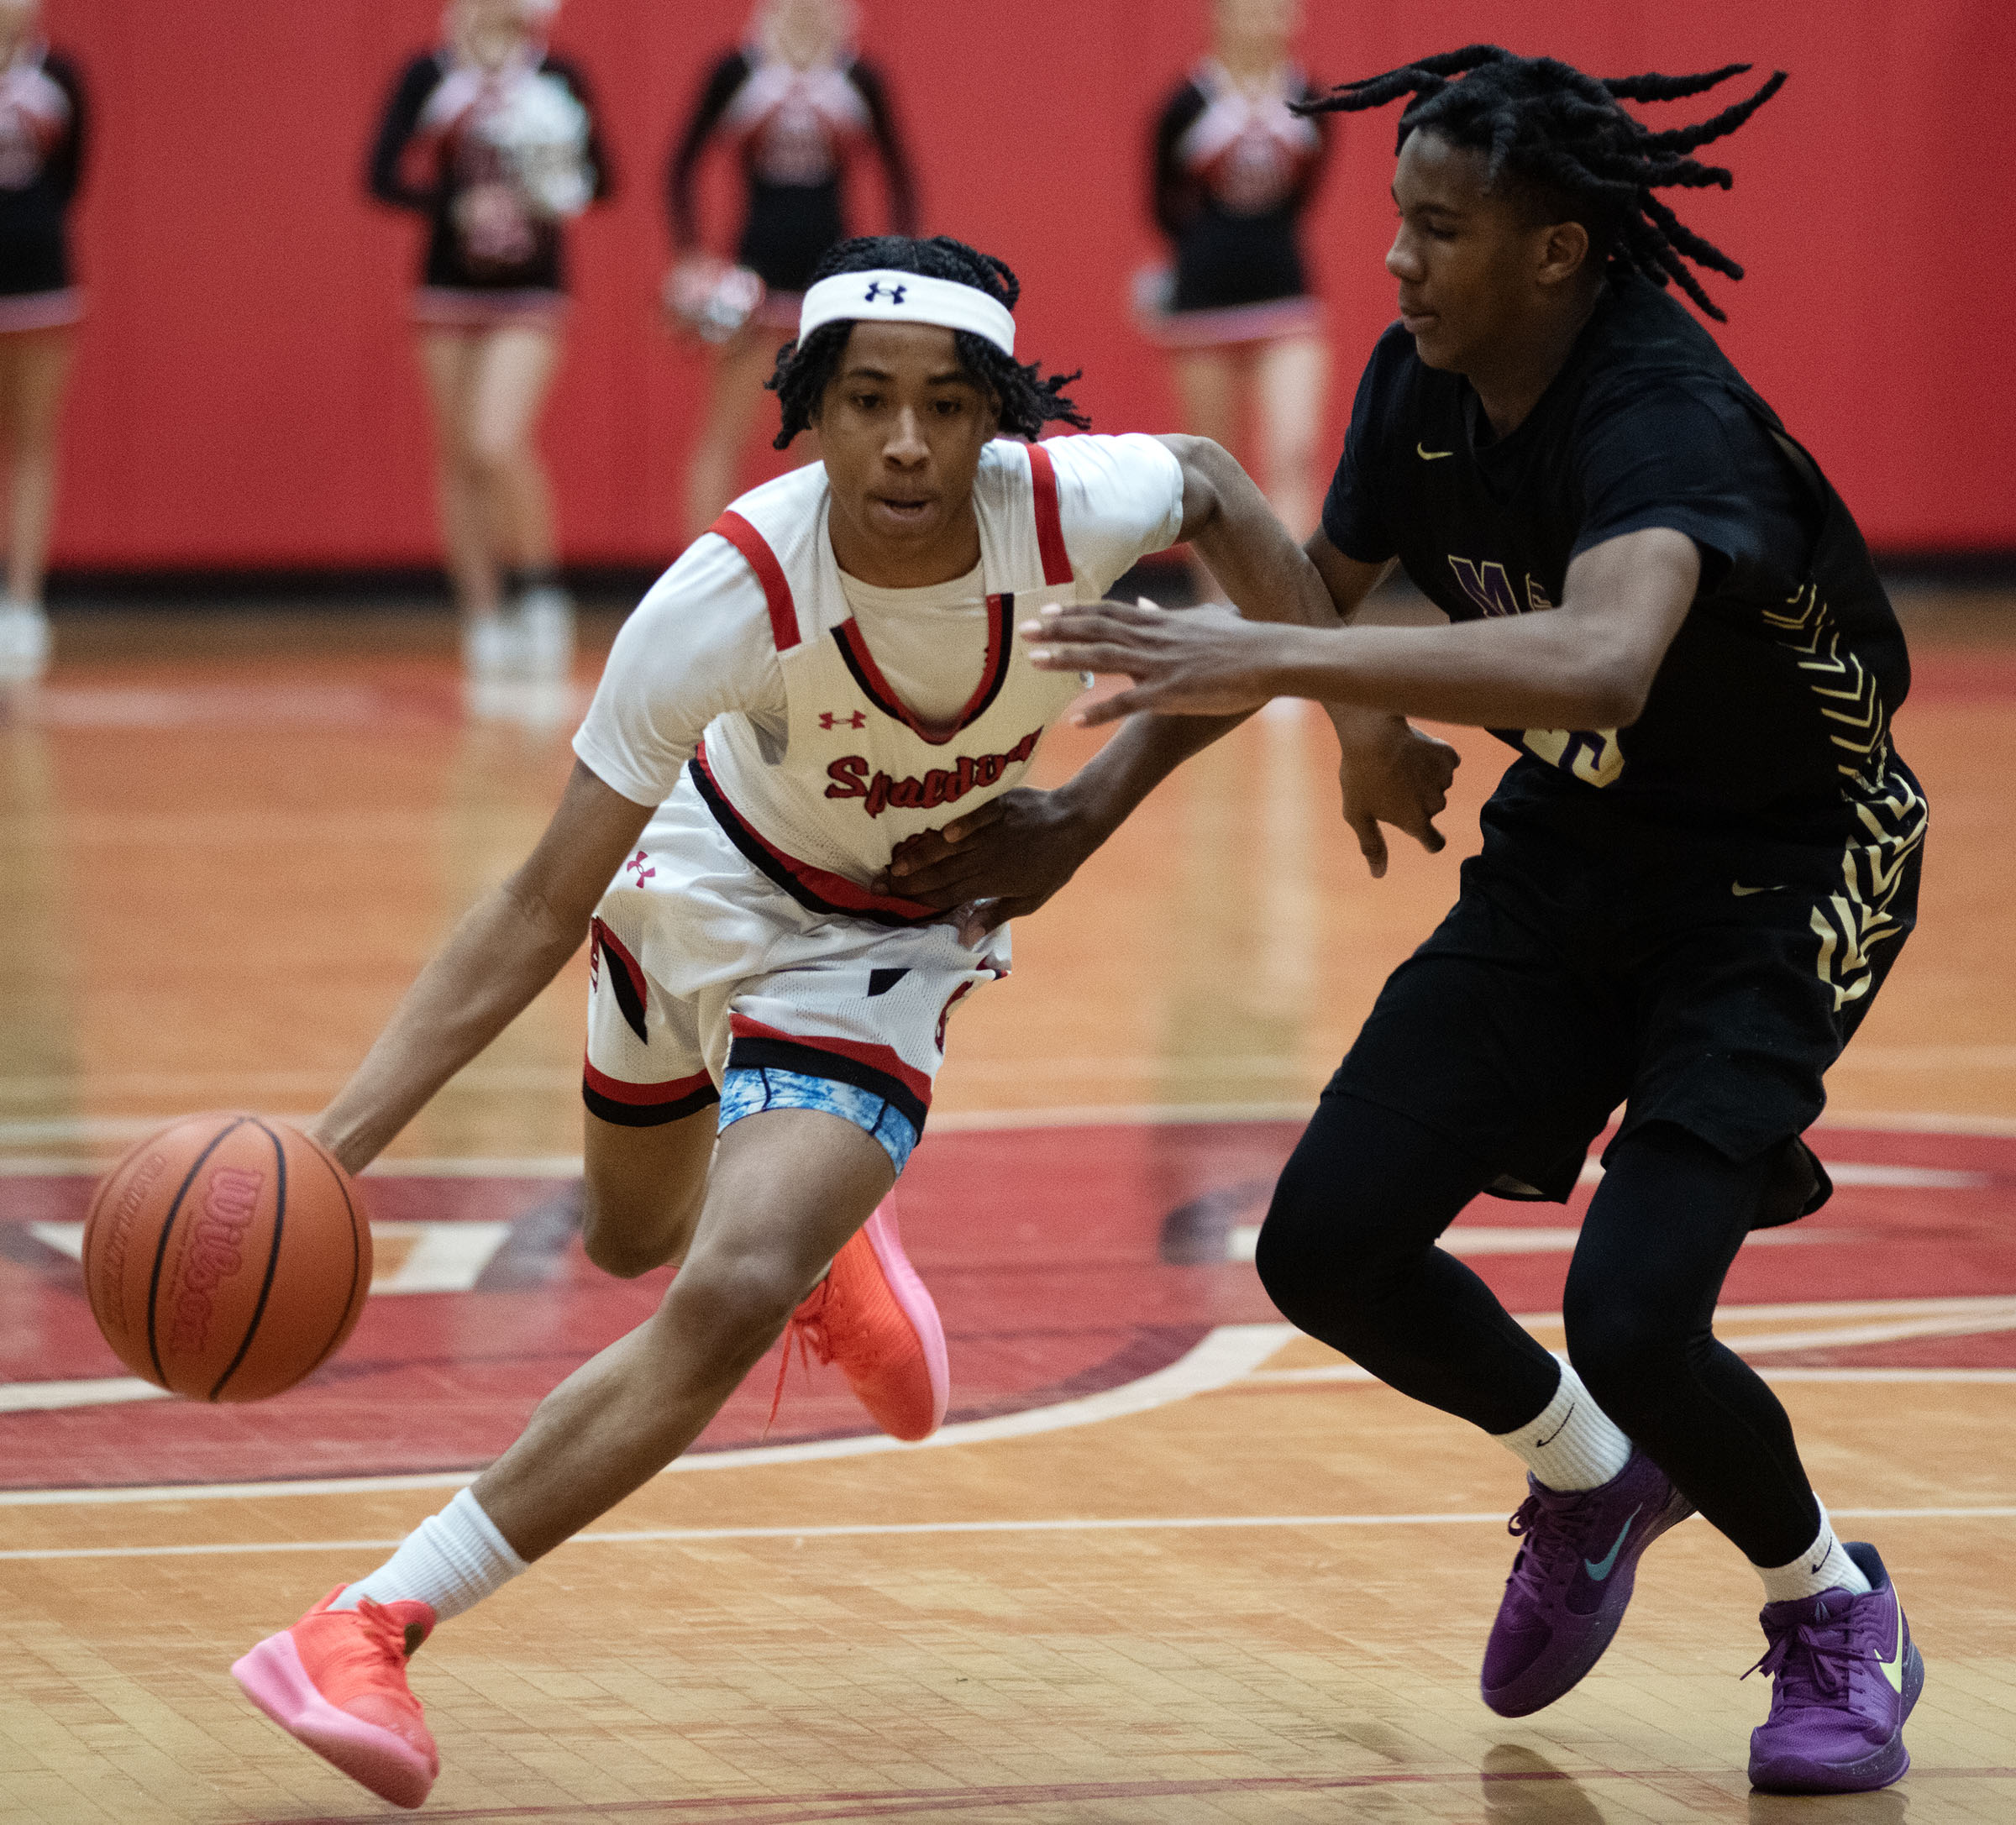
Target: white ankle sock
1572	1443
450	1562
1824	1565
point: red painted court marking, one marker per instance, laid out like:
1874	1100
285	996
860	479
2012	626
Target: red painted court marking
1065	1262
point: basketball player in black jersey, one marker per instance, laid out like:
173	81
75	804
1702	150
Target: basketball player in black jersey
1694	879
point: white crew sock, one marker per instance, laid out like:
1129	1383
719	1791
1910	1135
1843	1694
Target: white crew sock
450	1562
1572	1444
1824	1565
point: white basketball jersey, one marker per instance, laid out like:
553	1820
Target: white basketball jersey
860	771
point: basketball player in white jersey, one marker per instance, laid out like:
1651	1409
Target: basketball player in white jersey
833	671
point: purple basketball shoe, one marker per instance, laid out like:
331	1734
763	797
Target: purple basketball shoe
1578	1559
1845	1675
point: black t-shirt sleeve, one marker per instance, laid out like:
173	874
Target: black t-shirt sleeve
1172	194
65	170
716	93
888	142
396	127
1666	456
1352	518
1312	173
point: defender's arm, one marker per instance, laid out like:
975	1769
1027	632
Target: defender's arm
1589	663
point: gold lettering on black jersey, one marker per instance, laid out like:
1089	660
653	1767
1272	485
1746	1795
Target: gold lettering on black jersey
1487	585
1593	756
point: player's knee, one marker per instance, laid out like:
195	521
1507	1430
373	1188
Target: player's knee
1307	1255
739	1300
491	455
619	1251
1626	1353
1283	1255
625	1240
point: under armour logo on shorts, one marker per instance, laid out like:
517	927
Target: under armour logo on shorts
877	289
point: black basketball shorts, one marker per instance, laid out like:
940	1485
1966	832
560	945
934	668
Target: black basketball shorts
1708	986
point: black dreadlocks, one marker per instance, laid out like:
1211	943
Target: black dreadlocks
1028	401
1560	137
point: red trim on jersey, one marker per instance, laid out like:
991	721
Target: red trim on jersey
815	888
993	674
1049	521
643	1095
776	588
882	1058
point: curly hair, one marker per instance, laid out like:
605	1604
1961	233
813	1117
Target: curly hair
1561	138
1028	400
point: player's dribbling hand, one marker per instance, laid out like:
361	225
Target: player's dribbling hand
1001	861
1197	661
1391	773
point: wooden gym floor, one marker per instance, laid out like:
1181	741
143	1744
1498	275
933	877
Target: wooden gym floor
1168	1564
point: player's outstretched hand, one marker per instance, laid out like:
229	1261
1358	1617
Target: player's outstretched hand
1194	662
1001	861
1391	774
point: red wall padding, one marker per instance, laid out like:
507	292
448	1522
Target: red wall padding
247	395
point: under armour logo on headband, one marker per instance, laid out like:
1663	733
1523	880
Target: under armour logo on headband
893	295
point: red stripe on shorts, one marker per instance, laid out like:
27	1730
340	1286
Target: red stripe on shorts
882	1058
643	1095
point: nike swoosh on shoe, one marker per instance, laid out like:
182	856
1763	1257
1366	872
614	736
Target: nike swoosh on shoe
1600	1569
1893	1668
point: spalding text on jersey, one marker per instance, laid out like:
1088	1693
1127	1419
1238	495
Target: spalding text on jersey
941	785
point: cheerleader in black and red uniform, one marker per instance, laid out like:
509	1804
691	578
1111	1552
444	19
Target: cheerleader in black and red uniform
796	103
1233	171
41	158
493	139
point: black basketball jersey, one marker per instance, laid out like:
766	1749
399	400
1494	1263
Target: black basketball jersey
1770	711
445	172
41	159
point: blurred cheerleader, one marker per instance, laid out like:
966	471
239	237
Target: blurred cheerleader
795	102
41	156
494	141
1234	168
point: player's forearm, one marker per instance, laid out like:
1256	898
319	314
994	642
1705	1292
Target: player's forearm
1539	671
498	958
1103	793
1268	579
1267	575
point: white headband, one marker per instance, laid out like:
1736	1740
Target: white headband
907	297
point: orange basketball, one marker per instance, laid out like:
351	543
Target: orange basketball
226	1257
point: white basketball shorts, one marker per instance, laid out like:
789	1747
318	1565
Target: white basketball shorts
709	983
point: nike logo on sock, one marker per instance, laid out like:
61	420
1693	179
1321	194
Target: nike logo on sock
1542	1443
1813	1569
1600	1569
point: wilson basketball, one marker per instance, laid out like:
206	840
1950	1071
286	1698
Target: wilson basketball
226	1257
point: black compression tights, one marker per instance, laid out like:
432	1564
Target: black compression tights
1348	1253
